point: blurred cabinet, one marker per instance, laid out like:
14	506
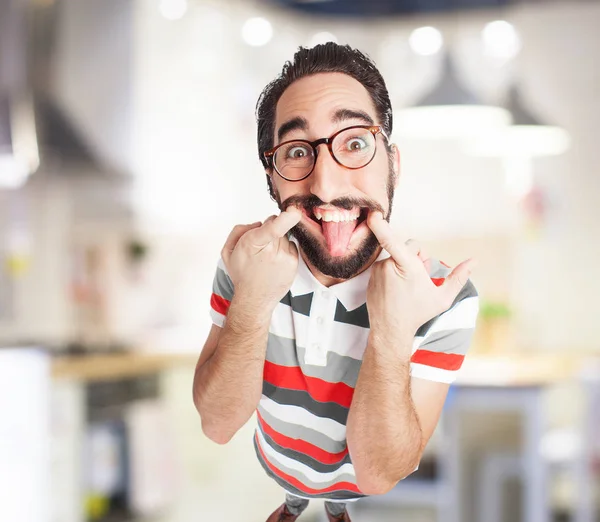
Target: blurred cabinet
113	450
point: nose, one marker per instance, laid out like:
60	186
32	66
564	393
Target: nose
329	180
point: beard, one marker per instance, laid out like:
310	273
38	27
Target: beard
352	263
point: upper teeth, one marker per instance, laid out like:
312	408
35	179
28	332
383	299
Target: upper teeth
336	215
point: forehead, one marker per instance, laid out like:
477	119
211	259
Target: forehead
316	98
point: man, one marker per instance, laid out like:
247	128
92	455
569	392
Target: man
341	337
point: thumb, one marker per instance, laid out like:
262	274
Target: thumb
458	278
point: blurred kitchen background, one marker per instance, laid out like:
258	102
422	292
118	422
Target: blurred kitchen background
128	152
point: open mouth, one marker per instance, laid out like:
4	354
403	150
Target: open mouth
337	226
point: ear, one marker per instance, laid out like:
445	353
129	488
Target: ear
396	164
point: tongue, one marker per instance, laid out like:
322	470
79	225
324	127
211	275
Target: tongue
338	235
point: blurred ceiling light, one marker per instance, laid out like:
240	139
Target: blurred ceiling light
257	32
449	111
13	172
527	136
426	41
321	38
519	143
173	9
501	40
19	155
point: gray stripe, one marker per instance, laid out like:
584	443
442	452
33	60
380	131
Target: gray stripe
222	285
298	475
327	410
296	431
284	352
358	317
449	341
468	290
337	495
306	459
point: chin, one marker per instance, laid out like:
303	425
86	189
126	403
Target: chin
360	251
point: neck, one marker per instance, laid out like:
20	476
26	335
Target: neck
328	281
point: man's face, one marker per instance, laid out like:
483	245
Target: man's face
334	200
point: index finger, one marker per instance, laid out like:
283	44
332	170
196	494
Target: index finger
277	228
387	238
234	236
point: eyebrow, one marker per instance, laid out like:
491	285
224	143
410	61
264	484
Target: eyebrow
299	123
352	114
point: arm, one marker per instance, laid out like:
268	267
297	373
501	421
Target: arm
260	263
228	376
391	419
383	432
392	415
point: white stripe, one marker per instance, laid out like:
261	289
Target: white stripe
276	458
282	322
300	417
348	340
461	316
429	373
217	318
417	341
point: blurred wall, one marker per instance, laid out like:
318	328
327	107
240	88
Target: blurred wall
173	101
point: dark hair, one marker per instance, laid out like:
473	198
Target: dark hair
325	58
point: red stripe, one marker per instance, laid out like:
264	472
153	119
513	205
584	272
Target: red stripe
445	361
219	304
339	486
438	281
444	264
301	445
292	378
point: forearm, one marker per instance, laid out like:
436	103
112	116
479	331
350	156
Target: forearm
228	387
383	432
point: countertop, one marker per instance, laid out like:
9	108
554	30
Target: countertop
510	369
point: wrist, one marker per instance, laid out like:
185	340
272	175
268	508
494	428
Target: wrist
397	340
249	312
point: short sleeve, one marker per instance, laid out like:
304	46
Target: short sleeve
222	294
440	345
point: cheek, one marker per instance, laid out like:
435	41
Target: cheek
372	180
285	189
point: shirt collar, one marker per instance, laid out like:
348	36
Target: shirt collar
352	293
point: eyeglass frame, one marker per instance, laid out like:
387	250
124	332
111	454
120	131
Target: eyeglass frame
373	129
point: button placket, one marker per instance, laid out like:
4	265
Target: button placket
319	324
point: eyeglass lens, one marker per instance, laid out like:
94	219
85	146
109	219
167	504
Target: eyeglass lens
352	148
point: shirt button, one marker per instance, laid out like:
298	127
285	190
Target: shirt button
316	347
320	320
325	294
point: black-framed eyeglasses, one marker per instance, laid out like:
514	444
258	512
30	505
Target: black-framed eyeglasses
353	148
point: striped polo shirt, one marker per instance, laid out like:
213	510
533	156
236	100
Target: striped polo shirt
315	347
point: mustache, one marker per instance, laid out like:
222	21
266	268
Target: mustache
346	203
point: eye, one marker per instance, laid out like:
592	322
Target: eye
356	144
298	152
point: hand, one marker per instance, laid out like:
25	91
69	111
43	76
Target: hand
261	261
401	296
